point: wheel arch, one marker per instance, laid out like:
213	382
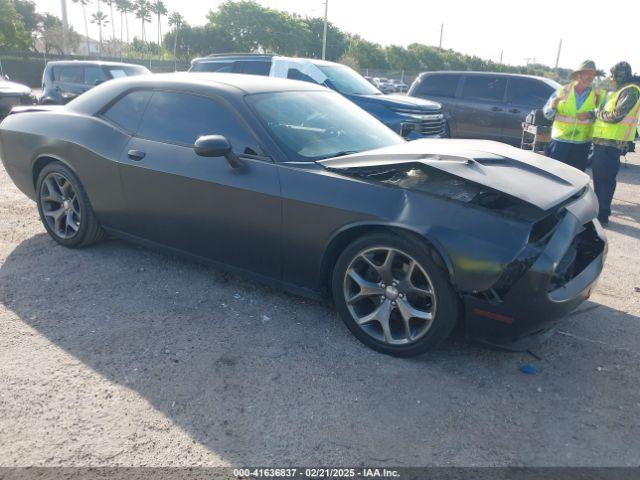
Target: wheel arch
42	161
344	236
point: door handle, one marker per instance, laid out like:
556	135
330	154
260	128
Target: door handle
136	155
514	110
496	109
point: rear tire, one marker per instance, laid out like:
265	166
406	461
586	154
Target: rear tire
64	207
393	296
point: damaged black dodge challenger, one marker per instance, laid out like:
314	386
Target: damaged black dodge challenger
293	184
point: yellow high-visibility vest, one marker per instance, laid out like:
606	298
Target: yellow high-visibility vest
566	126
625	129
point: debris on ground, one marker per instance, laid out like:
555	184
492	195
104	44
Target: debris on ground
528	369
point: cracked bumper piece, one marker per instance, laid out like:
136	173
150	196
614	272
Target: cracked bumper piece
561	278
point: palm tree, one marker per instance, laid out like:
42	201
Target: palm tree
84	3
143	12
124	7
160	9
175	20
113	24
100	19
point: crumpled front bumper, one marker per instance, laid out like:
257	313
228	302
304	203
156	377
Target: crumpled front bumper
561	278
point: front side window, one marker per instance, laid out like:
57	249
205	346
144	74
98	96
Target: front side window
525	91
347	81
486	88
128	111
181	118
312	125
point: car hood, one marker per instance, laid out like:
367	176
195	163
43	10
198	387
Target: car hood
12	88
401	102
533	178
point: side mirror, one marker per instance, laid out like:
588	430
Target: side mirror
98	82
216	146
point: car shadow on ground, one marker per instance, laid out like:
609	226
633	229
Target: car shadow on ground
236	365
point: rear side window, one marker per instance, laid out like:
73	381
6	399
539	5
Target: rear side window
438	85
197	116
128	111
253	67
525	91
213	67
487	88
70	74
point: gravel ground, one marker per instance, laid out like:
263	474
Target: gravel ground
117	355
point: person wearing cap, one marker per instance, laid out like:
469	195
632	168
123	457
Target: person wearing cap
572	109
614	129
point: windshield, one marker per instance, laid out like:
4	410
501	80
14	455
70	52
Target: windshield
348	81
312	125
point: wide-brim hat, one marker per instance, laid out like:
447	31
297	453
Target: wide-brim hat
586	66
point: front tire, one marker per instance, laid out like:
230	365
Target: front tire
393	296
64	207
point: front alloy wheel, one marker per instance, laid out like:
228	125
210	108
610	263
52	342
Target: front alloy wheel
389	295
392	294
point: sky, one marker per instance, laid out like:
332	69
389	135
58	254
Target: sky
520	30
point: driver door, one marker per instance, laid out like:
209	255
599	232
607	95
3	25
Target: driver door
197	204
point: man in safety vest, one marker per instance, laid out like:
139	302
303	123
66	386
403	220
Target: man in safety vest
614	129
572	109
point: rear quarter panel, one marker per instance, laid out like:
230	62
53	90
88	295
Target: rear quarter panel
87	144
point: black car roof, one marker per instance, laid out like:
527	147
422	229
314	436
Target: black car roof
228	84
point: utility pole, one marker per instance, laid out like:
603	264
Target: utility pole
441	31
324	33
65	28
501	52
558	56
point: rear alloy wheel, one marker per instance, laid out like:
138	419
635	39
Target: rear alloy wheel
393	296
60	206
64	207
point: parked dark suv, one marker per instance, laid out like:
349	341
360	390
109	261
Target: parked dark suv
64	81
485	105
411	117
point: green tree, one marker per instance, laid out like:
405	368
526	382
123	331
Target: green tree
50	28
337	40
366	54
176	21
100	19
13	33
143	12
160	9
254	28
84	4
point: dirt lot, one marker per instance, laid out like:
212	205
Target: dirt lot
116	355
